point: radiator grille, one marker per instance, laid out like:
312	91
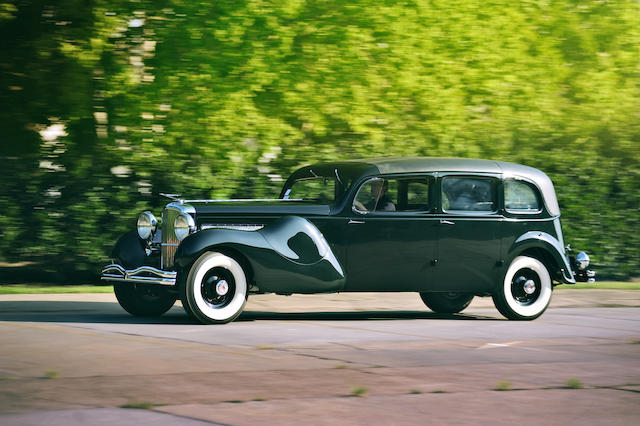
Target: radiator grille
169	240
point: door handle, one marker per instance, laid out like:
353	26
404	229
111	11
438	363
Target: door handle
446	222
351	221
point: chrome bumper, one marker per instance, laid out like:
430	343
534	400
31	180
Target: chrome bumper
586	276
143	274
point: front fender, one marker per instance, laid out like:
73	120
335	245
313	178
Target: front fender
289	255
538	239
129	251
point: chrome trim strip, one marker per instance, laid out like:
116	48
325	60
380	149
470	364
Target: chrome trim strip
115	272
233	226
242	200
176	198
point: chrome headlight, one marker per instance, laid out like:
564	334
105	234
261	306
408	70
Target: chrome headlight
183	226
582	260
147	224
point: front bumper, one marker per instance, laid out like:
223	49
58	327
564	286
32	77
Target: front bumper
585	276
143	274
580	263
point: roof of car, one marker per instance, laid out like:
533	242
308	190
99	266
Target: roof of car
432	164
401	165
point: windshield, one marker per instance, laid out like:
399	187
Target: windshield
328	188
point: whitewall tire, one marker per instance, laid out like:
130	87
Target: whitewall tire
526	290
216	289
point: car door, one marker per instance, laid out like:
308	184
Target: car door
392	235
469	233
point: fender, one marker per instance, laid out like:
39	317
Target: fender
129	251
538	239
287	256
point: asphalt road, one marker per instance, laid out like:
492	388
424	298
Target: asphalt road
78	359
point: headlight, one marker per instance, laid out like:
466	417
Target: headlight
147	225
183	226
582	260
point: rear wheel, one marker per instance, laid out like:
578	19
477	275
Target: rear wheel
216	289
526	290
446	303
144	300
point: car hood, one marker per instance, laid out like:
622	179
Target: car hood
260	208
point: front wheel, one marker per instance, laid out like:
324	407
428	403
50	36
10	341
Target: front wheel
446	303
142	300
216	289
526	290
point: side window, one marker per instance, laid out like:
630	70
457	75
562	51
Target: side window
376	195
472	194
393	195
417	195
520	197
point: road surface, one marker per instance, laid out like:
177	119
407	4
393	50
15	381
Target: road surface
321	359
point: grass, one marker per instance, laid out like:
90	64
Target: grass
359	391
503	385
604	285
42	289
415	392
574	384
140	405
264	347
51	374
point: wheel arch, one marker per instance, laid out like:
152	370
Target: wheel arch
545	248
227	249
545	257
288	256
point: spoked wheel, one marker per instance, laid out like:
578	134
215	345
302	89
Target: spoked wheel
216	289
144	300
526	290
446	303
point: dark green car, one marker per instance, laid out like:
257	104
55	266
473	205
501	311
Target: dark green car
449	229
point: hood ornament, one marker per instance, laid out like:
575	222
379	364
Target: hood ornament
173	197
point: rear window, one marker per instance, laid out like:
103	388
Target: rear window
520	197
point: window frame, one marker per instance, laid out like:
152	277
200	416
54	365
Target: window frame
432	206
531	185
286	193
495	186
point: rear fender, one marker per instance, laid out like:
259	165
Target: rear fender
553	248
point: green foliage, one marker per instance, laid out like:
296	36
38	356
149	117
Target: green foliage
225	98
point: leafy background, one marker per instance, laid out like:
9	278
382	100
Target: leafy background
104	104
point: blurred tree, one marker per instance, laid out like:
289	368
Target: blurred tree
108	103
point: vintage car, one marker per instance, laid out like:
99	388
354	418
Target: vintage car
446	228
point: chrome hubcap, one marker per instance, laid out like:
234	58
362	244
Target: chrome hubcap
529	286
222	287
525	287
218	287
